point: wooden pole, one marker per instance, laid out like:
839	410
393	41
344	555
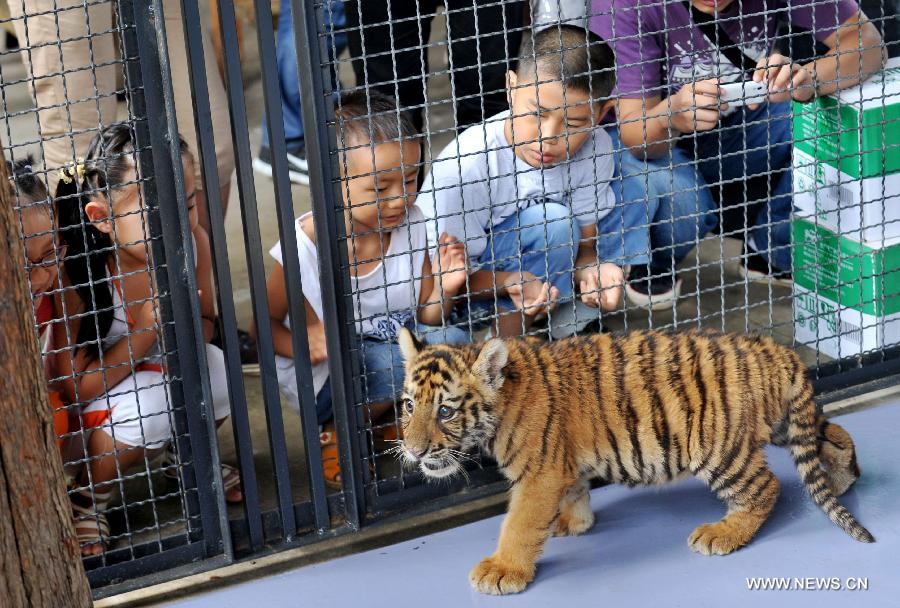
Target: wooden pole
40	560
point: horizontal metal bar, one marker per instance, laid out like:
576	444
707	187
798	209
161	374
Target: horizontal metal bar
131	577
415	490
838	375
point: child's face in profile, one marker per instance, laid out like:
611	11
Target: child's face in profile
125	219
548	123
123	216
43	253
379	184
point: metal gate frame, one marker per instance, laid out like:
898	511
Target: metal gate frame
159	158
221	541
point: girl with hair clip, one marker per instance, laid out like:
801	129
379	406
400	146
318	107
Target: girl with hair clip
114	364
44	254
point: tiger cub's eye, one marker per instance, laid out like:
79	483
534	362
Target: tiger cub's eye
445	412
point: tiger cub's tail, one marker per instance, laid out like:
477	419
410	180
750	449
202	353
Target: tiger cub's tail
801	433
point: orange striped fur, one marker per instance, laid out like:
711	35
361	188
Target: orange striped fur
645	408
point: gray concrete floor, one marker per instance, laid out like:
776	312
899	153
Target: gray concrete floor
636	554
722	300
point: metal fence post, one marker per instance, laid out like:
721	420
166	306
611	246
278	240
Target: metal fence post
159	134
193	38
332	251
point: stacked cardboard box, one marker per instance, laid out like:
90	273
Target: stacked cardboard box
846	230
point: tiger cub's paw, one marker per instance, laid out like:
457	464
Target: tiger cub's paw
719	538
577	520
496	578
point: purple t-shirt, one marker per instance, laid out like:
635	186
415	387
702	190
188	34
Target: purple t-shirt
644	34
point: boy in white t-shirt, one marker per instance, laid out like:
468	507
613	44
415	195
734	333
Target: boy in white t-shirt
391	275
532	193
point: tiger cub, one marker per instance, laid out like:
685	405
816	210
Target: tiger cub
644	408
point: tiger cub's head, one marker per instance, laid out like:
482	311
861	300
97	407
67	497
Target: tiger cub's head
447	408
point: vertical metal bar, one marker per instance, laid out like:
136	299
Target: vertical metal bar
330	237
166	190
296	304
234	87
137	110
193	37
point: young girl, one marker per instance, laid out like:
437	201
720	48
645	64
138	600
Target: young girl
114	361
44	254
392	279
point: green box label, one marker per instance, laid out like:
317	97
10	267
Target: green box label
846	271
863	145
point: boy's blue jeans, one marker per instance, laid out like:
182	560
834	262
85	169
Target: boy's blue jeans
289	81
381	366
747	144
543	239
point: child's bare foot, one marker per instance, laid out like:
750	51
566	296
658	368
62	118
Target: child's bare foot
231	481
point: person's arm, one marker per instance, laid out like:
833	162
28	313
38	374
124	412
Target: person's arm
278	310
600	283
587	253
649	126
205	283
855	52
86	378
436	296
527	292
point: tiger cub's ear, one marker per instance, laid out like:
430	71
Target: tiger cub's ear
409	344
490	363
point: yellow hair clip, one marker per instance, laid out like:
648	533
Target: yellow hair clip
67	174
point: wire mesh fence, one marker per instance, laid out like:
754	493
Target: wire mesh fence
87	195
653	164
474	169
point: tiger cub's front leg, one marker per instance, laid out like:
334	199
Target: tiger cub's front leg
533	506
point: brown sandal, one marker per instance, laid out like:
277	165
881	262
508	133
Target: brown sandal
391	432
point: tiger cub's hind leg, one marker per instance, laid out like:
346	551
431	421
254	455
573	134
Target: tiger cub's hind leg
750	493
838	455
575	514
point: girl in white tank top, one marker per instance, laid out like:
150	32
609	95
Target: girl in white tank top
112	360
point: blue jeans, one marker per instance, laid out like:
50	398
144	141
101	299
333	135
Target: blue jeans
541	239
288	80
381	366
748	157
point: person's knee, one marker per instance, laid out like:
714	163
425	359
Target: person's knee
446	335
382	371
156	429
561	226
218	382
148	430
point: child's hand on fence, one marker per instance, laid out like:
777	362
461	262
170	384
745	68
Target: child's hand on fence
530	295
316	336
451	265
696	106
602	286
787	80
